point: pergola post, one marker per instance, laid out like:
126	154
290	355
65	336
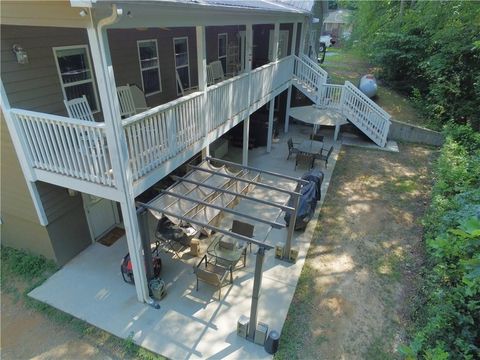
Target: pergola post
257	284
291	224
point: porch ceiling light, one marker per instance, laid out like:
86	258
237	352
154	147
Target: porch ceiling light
20	53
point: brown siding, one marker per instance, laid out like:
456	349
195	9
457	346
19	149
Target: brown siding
20	226
36	85
123	48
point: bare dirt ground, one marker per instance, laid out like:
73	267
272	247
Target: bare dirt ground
352	300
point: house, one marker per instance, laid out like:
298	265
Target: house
67	181
338	24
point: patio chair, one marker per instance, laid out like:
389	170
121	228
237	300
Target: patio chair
79	109
305	159
212	274
245	229
180	86
215	72
323	157
291	148
172	236
125	98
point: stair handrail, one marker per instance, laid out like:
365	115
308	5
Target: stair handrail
314	65
369	101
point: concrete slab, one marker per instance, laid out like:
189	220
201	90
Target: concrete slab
191	324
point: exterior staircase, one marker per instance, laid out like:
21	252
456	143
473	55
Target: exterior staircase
347	99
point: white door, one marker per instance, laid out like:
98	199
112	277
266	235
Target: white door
102	215
282	44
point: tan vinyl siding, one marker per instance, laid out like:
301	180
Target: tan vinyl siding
124	53
20	226
36	85
42	13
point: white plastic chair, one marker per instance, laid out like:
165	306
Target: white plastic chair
79	109
215	72
125	98
180	86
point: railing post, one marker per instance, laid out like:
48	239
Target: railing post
202	83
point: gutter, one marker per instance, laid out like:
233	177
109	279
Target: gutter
113	18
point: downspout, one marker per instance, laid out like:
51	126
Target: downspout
102	23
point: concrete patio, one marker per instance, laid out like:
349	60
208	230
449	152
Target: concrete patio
193	324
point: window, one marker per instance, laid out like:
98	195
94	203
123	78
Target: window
222	50
182	66
149	66
75	73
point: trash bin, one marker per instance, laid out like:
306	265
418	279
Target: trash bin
157	286
273	339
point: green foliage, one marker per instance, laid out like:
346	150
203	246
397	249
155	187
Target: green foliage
431	52
24	264
448	323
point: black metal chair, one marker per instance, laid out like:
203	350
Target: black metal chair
323	157
212	274
291	148
304	158
245	229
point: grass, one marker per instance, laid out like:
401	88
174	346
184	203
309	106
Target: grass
352	298
348	64
22	272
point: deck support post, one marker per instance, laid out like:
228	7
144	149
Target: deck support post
246	134
287	112
202	83
248	69
294	39
117	145
271	112
257	284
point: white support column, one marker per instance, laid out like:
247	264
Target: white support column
119	155
276	36
202	83
246	134
287	112
271	111
294	38
248	68
303	33
22	155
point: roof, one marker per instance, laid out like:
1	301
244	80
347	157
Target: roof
338	17
289	6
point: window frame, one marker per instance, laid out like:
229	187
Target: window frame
226	51
182	66
81	82
150	68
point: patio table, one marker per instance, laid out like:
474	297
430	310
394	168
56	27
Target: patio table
223	256
311	147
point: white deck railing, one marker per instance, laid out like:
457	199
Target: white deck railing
331	96
348	99
225	100
365	114
61	145
162	132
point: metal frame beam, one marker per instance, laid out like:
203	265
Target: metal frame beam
225	162
273	224
208	226
256	183
243	196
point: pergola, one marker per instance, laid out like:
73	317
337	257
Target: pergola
185	216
